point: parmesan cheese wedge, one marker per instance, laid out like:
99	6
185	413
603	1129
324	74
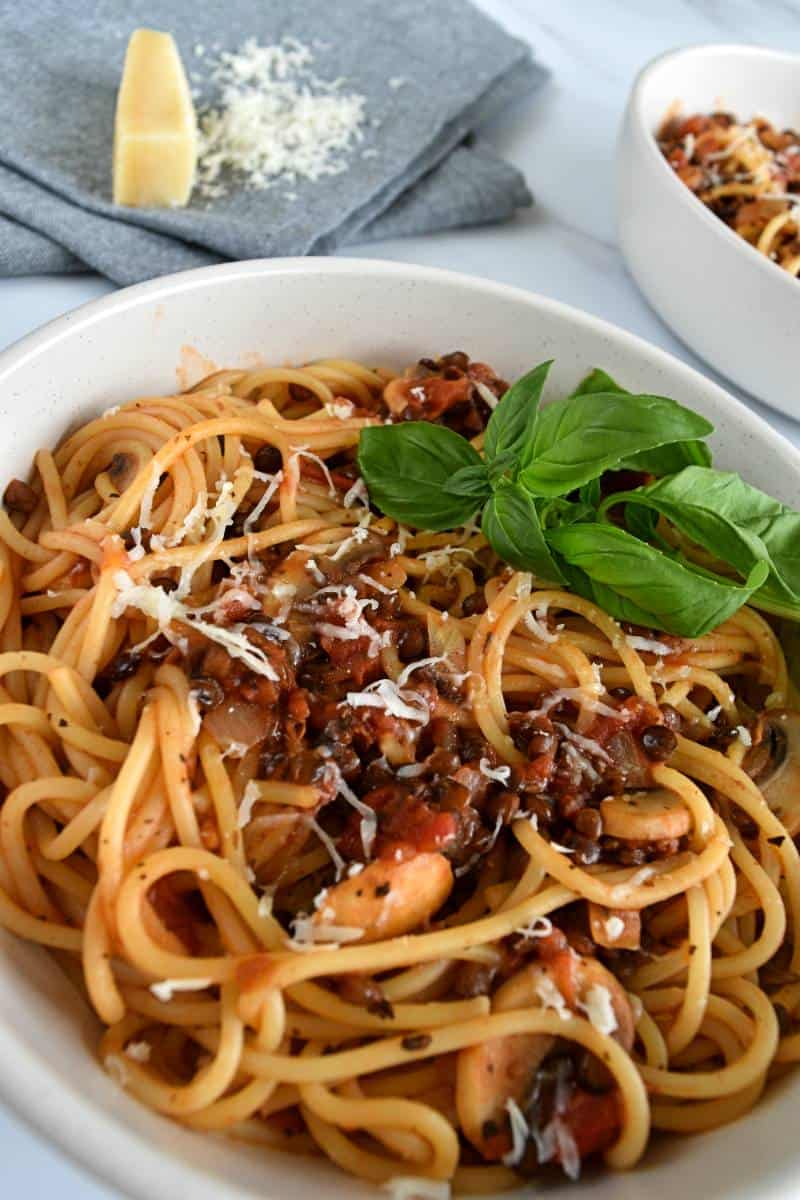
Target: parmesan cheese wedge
155	131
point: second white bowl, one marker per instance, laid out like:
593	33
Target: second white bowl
731	305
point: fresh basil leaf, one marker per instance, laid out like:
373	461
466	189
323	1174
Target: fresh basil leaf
406	467
732	520
558	511
598	380
511	425
675	596
664	460
498	467
642	522
668	460
579	438
616	605
470	481
590	493
511	525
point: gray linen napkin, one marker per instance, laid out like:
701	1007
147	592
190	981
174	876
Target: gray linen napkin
457	67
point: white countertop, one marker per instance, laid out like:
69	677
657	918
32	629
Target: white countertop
564	247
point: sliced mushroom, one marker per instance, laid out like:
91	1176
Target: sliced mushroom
645	816
492	1073
388	898
615	928
774	764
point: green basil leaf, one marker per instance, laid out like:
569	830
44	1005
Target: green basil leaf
510	427
470	481
676	596
577	439
664	460
406	467
598	380
498	467
732	520
591	493
616	605
668	460
558	511
510	524
642	522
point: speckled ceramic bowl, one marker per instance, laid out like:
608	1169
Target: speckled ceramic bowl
156	336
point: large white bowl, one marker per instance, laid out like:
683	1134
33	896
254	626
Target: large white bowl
734	307
288	311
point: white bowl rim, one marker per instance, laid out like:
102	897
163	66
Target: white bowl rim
719	228
106	1147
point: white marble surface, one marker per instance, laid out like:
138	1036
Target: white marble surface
564	247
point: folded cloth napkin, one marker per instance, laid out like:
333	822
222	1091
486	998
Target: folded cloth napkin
430	74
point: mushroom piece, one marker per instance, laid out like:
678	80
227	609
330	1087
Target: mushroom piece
615	928
645	816
774	764
493	1072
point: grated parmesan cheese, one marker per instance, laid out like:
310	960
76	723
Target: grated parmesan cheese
146	505
486	394
498	774
235	750
166	987
537	627
744	735
551	997
269	491
650	644
357	493
368	827
165	607
304	452
589	745
385	693
275	121
403	677
599	1009
341	409
411	770
351	609
138	1051
250	797
537	927
310	565
137	550
615	927
379	587
328	843
308	936
520	1132
398	547
582	697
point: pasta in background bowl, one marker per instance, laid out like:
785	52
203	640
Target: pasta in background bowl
293	312
722	297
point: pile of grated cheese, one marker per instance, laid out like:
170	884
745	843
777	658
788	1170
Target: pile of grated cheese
276	121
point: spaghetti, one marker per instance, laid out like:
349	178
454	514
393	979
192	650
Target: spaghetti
361	843
748	175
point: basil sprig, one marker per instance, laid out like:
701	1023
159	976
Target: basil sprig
544	489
